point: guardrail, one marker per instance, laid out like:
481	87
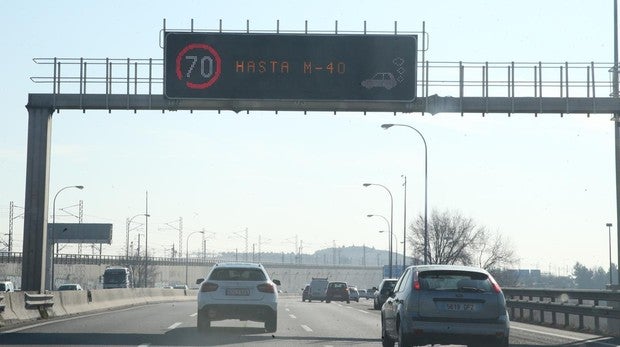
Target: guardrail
566	308
39	300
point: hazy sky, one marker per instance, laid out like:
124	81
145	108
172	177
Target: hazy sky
546	183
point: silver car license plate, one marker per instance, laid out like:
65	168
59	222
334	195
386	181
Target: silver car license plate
238	291
458	306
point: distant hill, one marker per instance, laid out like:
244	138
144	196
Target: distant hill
349	255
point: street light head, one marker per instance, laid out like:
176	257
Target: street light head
367	184
147	215
609	225
381	231
79	187
387	126
369	215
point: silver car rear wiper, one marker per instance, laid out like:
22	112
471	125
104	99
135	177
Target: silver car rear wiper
472	289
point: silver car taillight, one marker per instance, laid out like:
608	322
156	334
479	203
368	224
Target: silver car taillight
266	288
208	287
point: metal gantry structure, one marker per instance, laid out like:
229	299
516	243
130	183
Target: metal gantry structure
128	84
470	87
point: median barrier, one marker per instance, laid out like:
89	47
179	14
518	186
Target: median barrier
7	315
22	306
73	302
112	298
139	296
154	295
18	304
47	304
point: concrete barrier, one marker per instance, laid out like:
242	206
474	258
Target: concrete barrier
7	316
18	304
112	298
154	295
53	308
74	301
78	302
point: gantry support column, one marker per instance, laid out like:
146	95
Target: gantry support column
36	200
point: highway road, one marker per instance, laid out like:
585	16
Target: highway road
299	323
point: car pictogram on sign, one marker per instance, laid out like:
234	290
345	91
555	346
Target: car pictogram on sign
380	80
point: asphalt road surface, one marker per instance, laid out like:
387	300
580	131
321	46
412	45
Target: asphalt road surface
299	323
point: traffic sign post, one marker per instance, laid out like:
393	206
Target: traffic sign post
232	66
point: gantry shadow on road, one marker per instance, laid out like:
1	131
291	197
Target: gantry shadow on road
216	336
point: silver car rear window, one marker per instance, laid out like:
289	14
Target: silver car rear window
454	280
237	274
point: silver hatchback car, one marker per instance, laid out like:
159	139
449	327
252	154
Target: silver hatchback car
238	291
445	304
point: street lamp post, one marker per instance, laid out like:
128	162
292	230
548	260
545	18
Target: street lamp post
129	229
187	253
389	225
404	223
51	257
387	126
395	239
609	225
391	219
146	240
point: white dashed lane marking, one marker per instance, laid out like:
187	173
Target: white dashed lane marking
173	326
306	328
292	316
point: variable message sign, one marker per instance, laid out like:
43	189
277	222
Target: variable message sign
233	66
80	232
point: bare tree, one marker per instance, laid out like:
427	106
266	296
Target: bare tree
494	252
454	239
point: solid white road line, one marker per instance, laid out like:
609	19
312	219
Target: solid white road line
363	311
561	336
193	314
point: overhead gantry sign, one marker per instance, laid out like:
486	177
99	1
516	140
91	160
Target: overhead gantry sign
272	69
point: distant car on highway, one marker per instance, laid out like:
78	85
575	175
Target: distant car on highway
383	292
445	304
6	286
69	286
117	277
318	288
180	286
337	291
305	294
240	291
362	293
354	294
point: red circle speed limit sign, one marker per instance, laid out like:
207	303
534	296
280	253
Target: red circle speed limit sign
198	65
